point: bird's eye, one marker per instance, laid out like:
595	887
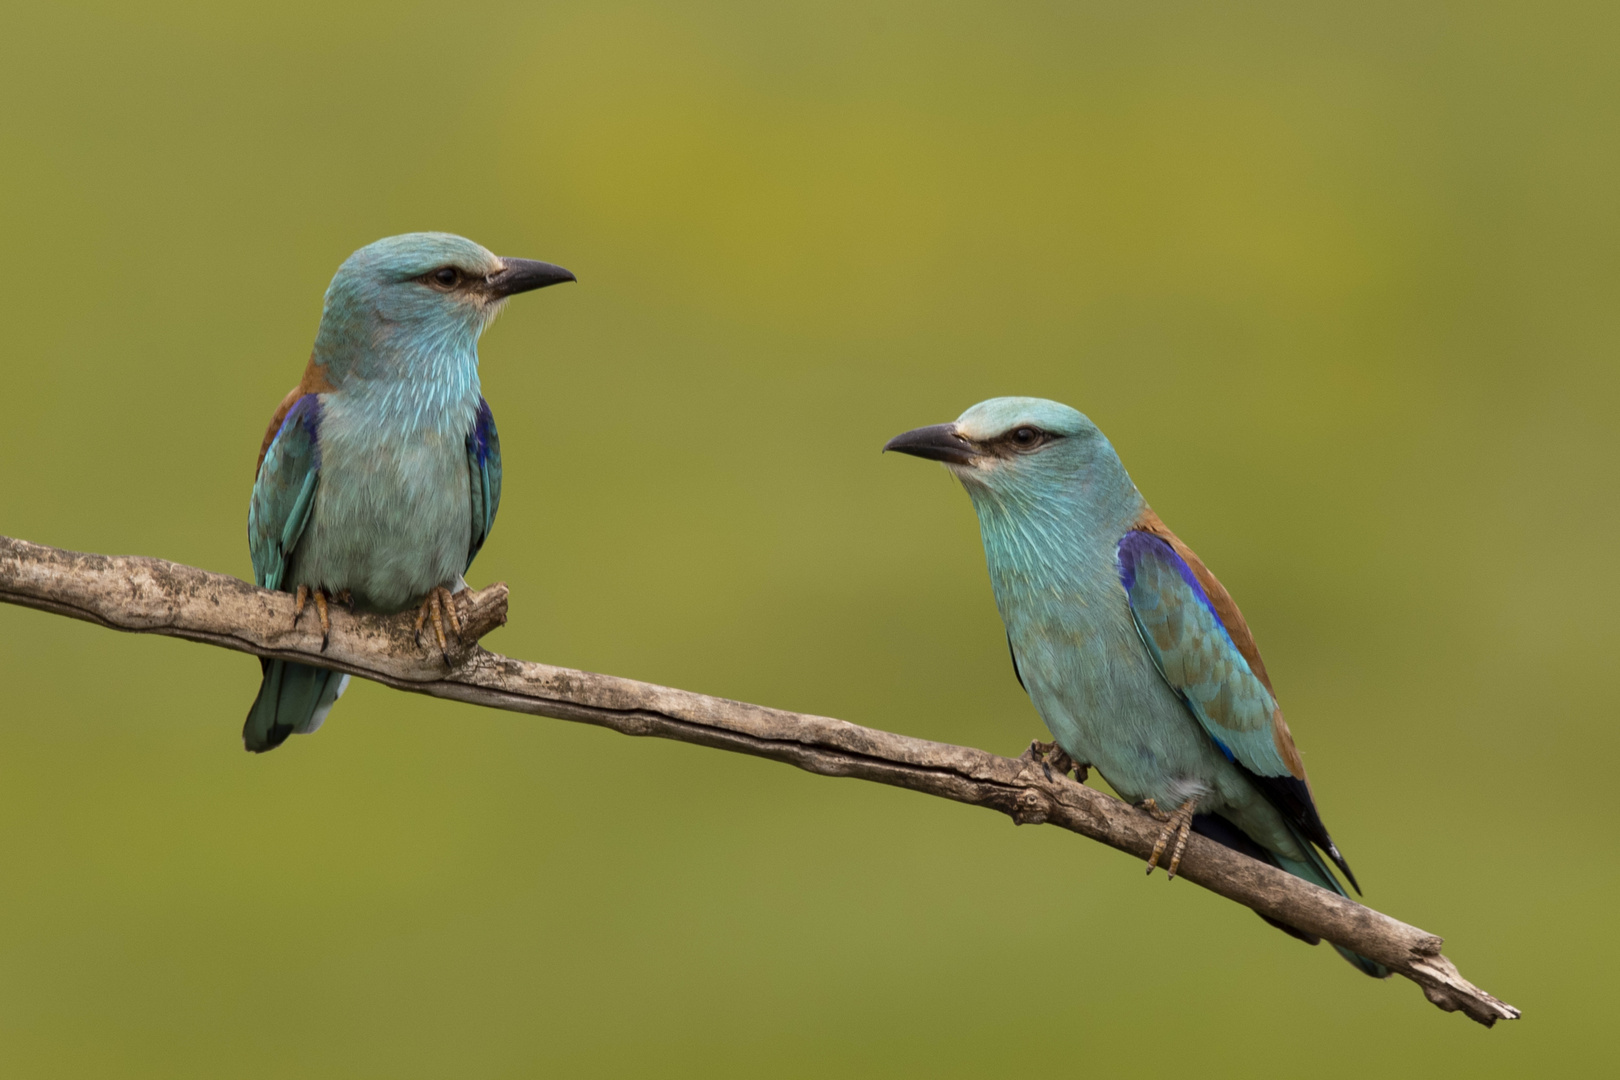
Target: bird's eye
448	276
1026	436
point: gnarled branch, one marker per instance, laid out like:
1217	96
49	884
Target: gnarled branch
152	596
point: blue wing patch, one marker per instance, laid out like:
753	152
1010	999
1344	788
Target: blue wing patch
484	473
284	492
1196	655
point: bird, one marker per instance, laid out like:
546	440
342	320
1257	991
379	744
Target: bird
1135	656
379	476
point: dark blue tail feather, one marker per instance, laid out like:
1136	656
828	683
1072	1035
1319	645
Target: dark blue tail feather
1224	832
290	697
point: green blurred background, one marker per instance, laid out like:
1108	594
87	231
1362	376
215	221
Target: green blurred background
1338	280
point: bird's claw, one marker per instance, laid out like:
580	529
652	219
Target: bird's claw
439	606
302	597
1052	756
1177	824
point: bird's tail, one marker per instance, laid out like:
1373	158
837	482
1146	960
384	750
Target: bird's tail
1314	871
292	698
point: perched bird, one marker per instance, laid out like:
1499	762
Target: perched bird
380	474
1134	655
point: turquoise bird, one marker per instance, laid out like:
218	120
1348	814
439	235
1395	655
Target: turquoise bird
1136	658
380	474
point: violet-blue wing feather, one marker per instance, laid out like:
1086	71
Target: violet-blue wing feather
484	473
1196	655
284	493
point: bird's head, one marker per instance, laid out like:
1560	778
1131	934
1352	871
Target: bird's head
1015	446
419	291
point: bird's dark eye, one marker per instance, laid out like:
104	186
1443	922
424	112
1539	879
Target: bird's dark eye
448	276
1026	436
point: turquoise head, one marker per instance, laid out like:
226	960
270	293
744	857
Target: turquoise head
1050	493
1022	449
413	306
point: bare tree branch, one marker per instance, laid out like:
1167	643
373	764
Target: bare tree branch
151	596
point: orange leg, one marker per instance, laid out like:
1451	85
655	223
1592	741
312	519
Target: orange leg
1177	824
439	606
302	598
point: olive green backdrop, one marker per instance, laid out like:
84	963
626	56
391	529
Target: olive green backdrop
1340	283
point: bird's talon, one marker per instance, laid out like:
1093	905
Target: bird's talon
1181	845
437	606
438	627
301	599
1051	756
450	610
326	619
1036	752
1177	824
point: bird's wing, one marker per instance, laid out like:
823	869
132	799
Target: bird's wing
1198	654
1198	658
484	473
284	490
313	382
1225	607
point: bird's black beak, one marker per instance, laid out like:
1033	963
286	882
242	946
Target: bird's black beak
525	275
937	442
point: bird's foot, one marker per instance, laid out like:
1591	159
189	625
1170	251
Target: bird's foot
1177	824
1051	755
321	596
440	606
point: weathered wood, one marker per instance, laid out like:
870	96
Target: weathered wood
152	596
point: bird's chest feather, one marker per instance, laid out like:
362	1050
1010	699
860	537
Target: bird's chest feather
1094	682
1077	648
392	517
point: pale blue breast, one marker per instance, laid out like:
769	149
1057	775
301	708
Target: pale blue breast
1056	582
392	517
1097	689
